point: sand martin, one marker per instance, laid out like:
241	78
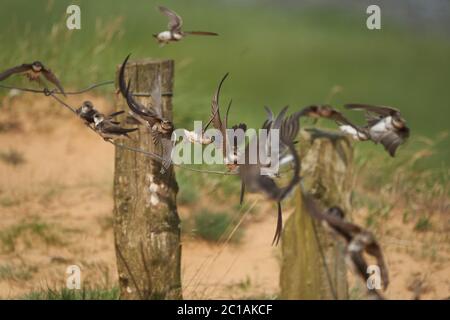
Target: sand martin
251	178
160	128
358	241
175	33
384	125
109	130
87	112
33	72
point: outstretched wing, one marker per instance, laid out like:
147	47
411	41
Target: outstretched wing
18	69
215	108
50	76
157	97
391	140
175	21
381	110
148	114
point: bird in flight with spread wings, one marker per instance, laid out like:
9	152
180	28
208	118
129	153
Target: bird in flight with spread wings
385	125
175	33
33	71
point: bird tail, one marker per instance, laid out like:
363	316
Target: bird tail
201	33
279	228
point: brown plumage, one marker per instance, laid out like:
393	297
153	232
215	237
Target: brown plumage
33	71
160	128
385	125
175	24
250	173
358	240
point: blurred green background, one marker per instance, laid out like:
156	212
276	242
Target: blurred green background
277	54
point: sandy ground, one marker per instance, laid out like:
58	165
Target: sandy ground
56	210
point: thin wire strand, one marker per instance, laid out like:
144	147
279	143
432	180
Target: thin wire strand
225	244
324	261
147	153
220	242
57	91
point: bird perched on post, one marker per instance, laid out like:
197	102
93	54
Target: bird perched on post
385	125
87	112
358	241
33	72
160	128
108	130
175	33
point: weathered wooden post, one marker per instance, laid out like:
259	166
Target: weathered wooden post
313	265
146	222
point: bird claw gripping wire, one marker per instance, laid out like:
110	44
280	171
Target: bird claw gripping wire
48	92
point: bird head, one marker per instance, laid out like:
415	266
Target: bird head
99	117
398	122
86	107
37	66
166	125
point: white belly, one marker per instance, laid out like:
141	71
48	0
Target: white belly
379	129
164	36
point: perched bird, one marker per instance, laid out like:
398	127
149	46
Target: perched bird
384	125
251	176
358	241
109	130
87	112
33	72
160	128
175	33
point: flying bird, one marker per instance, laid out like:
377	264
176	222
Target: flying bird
385	125
160	127
229	148
251	175
87	112
175	33
358	241
108	130
33	72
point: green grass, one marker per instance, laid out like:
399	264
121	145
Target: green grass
276	56
67	294
16	273
215	226
423	224
28	232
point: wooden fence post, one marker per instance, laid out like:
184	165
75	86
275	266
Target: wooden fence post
327	174
146	222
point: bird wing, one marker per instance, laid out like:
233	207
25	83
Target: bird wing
50	76
341	119
175	21
115	114
157	97
391	140
215	109
381	110
345	229
167	147
18	69
109	127
374	250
